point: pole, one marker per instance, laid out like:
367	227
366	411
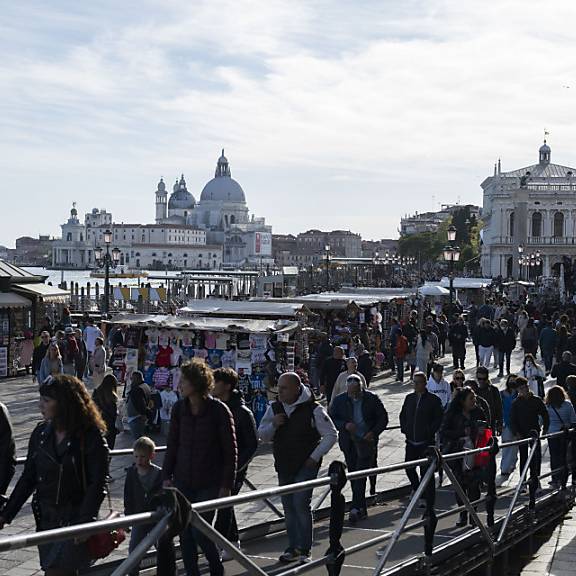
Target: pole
451	285
107	280
327	272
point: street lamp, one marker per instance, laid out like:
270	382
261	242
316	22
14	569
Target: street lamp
451	233
327	251
451	255
107	260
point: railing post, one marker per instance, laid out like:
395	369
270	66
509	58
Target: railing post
491	496
336	553
431	521
534	481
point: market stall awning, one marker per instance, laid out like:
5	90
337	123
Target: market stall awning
13	300
467	283
433	290
45	291
240	325
218	307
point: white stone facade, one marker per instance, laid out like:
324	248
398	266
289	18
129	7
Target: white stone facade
533	208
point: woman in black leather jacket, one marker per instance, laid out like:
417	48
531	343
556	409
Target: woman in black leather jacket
65	469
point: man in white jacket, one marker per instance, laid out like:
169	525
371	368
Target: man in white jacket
302	433
438	386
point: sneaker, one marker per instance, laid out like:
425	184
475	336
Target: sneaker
225	555
289	555
354	516
304	556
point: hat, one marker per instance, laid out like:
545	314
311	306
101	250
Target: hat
68	330
354	379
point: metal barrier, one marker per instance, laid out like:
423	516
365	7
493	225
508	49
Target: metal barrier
433	463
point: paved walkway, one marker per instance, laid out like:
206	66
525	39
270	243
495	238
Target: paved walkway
20	396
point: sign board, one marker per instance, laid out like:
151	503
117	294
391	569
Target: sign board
262	243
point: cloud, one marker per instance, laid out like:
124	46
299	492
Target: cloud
333	113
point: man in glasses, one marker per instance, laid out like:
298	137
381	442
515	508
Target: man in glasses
492	396
40	352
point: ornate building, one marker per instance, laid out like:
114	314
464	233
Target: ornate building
529	212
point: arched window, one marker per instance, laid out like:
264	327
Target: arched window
232	219
511	224
537	224
558	225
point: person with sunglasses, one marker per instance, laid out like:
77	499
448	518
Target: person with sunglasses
491	394
458	378
509	453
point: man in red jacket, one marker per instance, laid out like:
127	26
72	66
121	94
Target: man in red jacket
201	457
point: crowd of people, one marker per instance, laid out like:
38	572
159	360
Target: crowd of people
211	436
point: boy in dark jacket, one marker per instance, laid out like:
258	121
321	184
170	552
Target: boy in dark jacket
143	482
491	394
226	390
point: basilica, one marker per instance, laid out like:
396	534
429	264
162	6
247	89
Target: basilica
215	232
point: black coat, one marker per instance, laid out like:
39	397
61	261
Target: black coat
331	370
365	366
7	450
491	395
485	336
136	499
73	482
38	356
561	371
457	336
505	339
246	432
421	417
453	429
525	413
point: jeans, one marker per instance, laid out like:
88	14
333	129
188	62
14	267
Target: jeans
359	456
558	449
458	356
190	539
417	453
400	369
138	534
225	517
138	427
297	509
497	357
510	454
507	356
548	357
484	354
536	460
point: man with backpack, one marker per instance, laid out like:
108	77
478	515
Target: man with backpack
400	353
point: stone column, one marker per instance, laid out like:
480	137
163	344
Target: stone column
546	267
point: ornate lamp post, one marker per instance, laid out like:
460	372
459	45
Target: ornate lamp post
327	251
451	255
107	260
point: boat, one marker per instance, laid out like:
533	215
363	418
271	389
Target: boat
121	274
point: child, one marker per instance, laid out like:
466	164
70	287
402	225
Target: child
143	482
168	398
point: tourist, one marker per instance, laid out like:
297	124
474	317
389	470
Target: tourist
7	452
70	352
522	322
201	457
395	331
360	417
400	353
562	417
420	420
91	332
457	336
40	352
438	386
486	338
51	364
534	374
106	399
66	468
505	342
365	365
548	342
138	401
331	369
65	319
302	433
226	390
142	484
82	358
525	415
563	341
462	426
341	382
563	369
491	394
509	453
424	351
529	338
98	360
458	378
410	330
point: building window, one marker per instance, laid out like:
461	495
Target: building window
511	225
69	237
537	224
558	225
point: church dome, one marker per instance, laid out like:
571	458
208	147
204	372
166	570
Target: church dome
223	188
181	199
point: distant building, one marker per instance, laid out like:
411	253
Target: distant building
383	247
431	221
530	212
32	251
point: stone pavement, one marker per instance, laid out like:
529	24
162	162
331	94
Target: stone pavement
20	396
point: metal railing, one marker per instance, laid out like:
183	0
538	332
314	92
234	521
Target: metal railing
449	463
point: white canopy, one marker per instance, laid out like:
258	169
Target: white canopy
433	290
13	300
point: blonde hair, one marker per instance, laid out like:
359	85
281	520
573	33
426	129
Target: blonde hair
144	444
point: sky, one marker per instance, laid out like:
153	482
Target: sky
340	114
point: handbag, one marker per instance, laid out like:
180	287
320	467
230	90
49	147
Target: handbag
102	544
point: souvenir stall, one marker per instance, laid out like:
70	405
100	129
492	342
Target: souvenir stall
259	350
469	290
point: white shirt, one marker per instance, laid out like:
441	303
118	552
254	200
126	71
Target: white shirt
440	389
90	335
